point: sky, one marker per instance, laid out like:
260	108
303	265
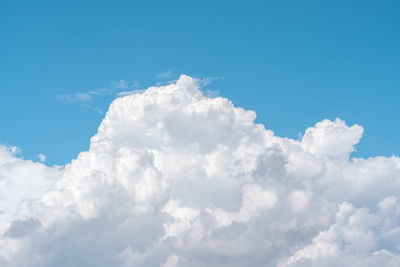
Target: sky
293	62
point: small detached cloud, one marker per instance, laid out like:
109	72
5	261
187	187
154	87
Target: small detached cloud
176	178
166	75
87	99
123	85
42	157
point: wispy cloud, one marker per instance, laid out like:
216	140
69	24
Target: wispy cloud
204	82
124	85
125	93
87	99
166	75
83	97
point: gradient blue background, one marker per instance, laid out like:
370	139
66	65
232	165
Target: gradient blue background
293	62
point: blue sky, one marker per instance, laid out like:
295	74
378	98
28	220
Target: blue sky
293	62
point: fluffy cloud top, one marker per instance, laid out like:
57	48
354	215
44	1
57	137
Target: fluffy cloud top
175	178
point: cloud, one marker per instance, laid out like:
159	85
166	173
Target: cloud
86	99
125	93
166	75
176	178
124	85
42	157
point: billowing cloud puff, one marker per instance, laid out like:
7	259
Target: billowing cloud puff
175	178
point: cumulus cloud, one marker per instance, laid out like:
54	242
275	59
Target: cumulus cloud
177	178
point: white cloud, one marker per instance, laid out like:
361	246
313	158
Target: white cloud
131	92
166	75
175	178
87	99
42	157
332	138
84	97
